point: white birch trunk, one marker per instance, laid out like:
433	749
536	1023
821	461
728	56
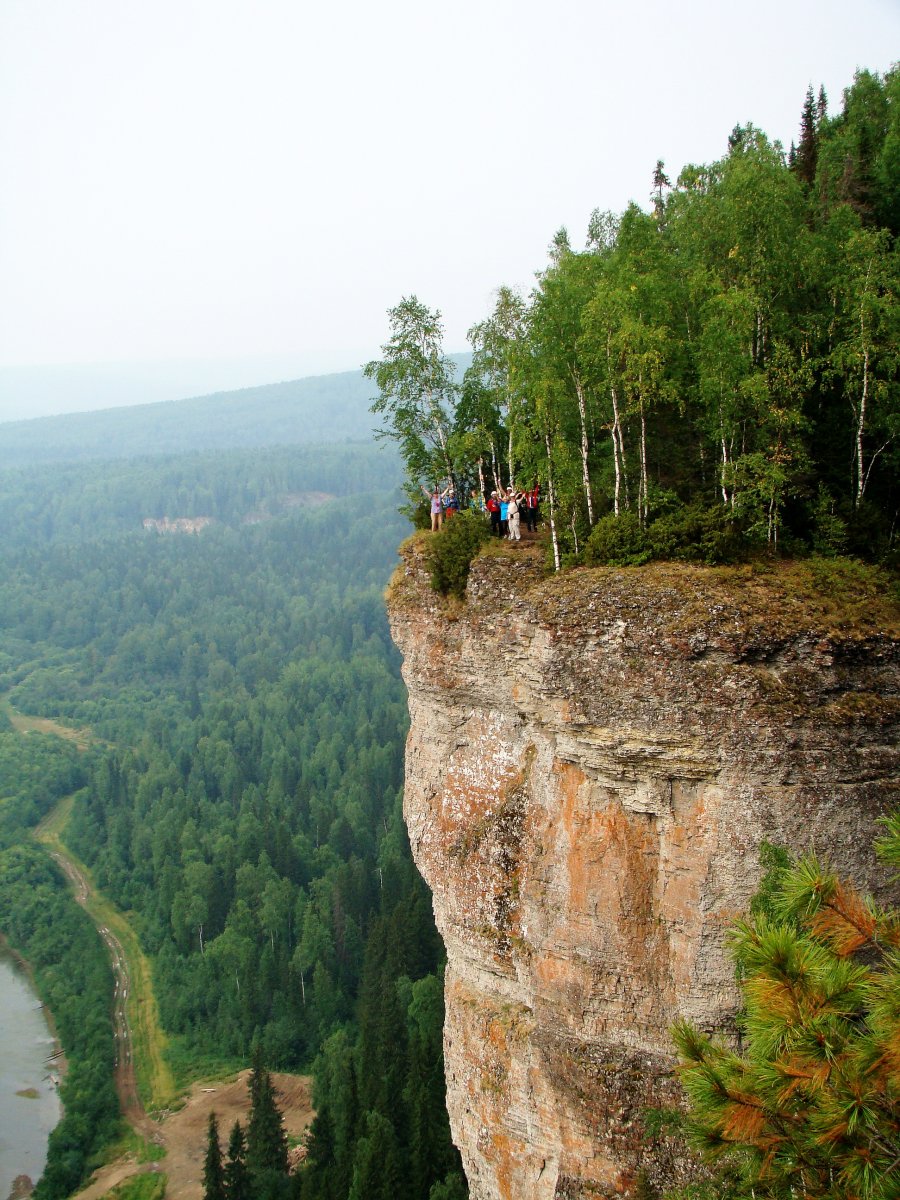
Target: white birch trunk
644	498
723	474
615	444
551	496
625	490
614	431
495	466
861	424
585	446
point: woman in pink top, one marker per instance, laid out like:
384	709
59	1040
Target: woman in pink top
437	511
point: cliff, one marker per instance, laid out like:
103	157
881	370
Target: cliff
592	763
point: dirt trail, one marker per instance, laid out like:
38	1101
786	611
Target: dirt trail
49	833
180	1136
126	1081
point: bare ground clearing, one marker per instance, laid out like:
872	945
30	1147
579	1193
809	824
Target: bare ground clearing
183	1133
25	724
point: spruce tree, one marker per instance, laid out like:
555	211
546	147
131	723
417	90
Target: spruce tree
266	1140
808	149
213	1174
237	1177
821	106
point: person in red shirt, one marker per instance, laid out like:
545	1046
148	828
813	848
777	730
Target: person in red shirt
493	507
530	507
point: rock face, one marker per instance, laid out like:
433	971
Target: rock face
176	524
592	763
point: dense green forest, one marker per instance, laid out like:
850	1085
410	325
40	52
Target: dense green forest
714	376
245	807
77	502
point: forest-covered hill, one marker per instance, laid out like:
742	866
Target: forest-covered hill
329	408
87	501
313	411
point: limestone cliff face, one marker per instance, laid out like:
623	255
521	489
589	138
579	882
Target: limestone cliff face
592	763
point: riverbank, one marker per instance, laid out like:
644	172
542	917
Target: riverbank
30	1072
60	1062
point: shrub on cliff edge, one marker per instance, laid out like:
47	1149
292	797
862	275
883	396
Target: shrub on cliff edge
450	552
690	533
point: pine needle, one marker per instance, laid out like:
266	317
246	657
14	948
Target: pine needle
844	922
744	1121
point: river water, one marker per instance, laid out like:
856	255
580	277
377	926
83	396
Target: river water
29	1104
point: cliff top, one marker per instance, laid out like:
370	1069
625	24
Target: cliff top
749	607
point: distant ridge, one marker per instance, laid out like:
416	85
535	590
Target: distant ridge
321	408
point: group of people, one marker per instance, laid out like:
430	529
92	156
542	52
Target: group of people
506	507
509	506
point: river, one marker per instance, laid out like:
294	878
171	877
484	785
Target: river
29	1104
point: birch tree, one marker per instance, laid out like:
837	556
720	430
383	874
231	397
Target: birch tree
555	328
496	367
865	357
416	393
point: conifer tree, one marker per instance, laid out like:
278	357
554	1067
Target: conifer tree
237	1177
812	1107
266	1139
821	106
808	149
661	183
213	1174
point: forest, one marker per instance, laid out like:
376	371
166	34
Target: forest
714	377
241	800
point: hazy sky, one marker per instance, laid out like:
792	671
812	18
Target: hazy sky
227	180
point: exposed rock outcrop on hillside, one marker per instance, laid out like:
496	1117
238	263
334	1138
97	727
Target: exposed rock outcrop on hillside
176	524
592	763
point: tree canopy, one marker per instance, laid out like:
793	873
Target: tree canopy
733	352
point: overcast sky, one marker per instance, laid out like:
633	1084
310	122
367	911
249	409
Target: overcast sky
220	181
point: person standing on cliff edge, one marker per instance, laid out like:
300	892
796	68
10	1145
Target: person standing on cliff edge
493	507
512	514
436	496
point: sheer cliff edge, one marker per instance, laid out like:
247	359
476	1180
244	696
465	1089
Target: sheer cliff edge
593	762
